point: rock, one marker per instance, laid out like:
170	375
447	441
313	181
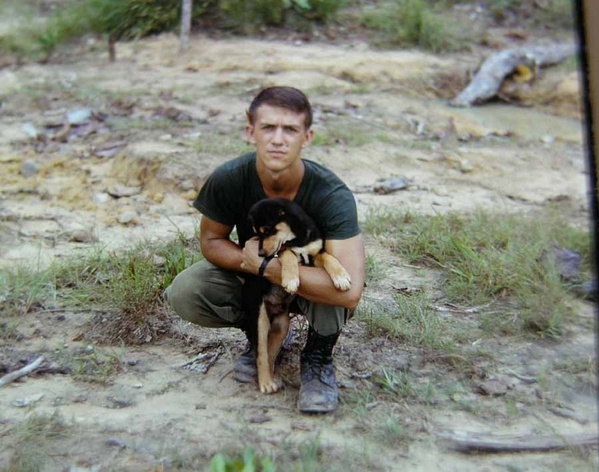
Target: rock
27	401
129	217
81	236
114	442
30	130
494	388
566	261
119	191
259	419
101	197
29	168
393	184
78	116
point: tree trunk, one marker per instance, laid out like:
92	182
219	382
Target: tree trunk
497	67
111	48
186	6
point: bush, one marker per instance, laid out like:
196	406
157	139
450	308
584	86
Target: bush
246	15
411	23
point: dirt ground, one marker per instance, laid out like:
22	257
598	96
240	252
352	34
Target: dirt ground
159	124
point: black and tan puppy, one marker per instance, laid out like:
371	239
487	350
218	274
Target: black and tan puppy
287	232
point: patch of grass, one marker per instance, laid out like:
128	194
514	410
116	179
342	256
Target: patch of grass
414	322
411	23
90	364
220	145
246	461
33	438
348	134
23	290
551	14
128	284
487	257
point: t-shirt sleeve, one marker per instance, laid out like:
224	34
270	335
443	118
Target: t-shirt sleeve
216	200
339	216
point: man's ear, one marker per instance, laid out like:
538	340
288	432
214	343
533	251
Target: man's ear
249	132
308	138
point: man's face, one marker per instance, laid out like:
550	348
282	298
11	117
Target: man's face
279	135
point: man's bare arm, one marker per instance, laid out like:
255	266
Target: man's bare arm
217	247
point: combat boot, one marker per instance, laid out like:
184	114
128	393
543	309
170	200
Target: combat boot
318	391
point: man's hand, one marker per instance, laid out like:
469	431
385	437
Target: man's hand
251	260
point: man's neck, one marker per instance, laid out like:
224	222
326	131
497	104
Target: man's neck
282	184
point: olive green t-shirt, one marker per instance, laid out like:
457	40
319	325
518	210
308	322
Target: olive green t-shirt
229	193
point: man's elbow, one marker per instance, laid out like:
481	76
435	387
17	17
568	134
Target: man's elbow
352	299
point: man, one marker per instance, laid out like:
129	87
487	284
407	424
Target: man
209	292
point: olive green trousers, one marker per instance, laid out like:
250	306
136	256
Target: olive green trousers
210	296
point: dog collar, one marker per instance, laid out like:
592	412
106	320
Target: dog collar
265	262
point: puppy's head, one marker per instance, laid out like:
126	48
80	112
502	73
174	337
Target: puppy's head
271	222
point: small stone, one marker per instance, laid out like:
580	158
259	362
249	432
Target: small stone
138	385
81	236
259	419
27	401
494	388
158	197
30	130
29	168
119	191
129	217
79	116
116	443
466	166
101	197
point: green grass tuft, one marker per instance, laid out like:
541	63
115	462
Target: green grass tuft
33	438
488	258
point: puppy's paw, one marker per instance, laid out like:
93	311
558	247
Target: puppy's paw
342	281
290	285
269	386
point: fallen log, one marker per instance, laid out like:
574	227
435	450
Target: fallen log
487	81
471	442
28	369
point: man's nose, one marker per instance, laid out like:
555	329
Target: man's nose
277	137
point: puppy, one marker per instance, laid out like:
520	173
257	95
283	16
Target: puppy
285	231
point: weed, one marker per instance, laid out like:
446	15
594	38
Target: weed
31	451
375	270
244	462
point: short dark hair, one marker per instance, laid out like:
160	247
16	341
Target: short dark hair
284	97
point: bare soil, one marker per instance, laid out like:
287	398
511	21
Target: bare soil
161	123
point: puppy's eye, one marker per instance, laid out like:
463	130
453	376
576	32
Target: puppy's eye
281	213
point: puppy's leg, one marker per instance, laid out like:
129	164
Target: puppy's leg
289	271
265	380
278	331
337	272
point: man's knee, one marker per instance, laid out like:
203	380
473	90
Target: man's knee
206	295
